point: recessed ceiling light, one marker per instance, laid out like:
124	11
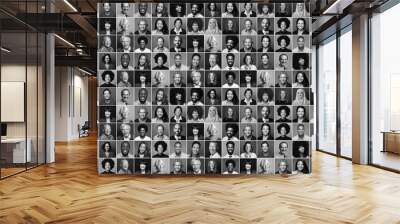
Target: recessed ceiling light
338	6
70	5
5	50
84	71
64	40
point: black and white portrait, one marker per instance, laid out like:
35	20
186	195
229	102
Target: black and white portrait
204	88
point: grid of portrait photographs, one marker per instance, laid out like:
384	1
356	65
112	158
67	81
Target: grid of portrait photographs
204	88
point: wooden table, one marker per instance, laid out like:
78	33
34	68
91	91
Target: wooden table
391	141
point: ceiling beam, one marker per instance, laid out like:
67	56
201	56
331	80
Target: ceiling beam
81	21
89	30
83	61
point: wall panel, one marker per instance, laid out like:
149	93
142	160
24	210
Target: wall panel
213	88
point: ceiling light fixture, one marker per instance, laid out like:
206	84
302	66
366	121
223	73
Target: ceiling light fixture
5	50
331	7
64	40
70	5
84	71
337	7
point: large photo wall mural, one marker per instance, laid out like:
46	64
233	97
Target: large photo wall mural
204	88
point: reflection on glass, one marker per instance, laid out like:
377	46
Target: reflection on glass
13	84
327	96
31	88
23	85
385	85
346	94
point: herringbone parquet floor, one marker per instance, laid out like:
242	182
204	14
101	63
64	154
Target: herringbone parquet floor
70	191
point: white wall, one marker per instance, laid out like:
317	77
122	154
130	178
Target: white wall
80	112
33	126
71	87
16	73
61	103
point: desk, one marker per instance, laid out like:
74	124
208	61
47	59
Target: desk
391	141
15	148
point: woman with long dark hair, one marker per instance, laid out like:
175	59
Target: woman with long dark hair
160	10
230	98
160	27
160	98
300	167
143	62
160	115
231	10
301	115
301	80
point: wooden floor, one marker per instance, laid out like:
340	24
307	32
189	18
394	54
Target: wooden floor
5	172
70	191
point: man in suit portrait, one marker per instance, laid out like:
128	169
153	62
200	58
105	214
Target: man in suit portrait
265	27
265	113
178	151
177	133
177	45
266	63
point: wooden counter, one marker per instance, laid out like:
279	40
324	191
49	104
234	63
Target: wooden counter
391	141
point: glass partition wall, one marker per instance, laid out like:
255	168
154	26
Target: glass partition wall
385	89
22	76
334	96
345	62
326	105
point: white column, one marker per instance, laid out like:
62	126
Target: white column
50	98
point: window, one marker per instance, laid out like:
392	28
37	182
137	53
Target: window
327	95
385	85
346	93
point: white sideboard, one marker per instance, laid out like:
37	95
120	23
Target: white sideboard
18	148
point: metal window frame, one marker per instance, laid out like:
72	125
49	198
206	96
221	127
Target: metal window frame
381	9
339	32
44	74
